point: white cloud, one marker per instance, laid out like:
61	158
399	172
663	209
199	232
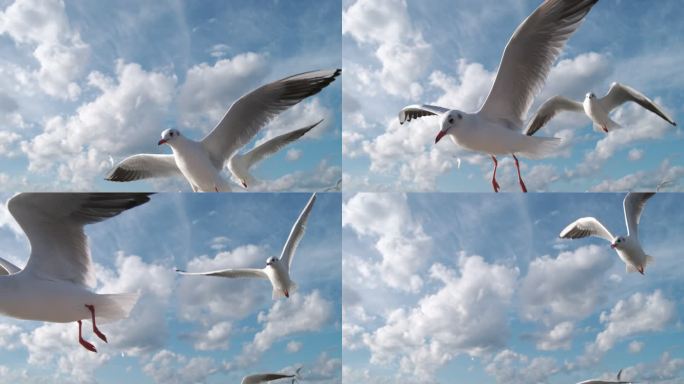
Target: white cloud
647	180
635	346
425	337
293	154
169	367
635	154
511	367
323	176
59	49
294	346
216	337
559	337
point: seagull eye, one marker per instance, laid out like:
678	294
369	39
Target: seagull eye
618	240
451	120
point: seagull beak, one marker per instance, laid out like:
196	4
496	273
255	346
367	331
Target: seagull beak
439	136
613	246
243	184
162	141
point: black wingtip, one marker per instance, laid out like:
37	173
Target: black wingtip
338	72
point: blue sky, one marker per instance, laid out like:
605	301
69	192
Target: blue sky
194	329
84	81
480	288
446	52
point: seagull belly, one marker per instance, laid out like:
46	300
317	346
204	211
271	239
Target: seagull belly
198	169
47	300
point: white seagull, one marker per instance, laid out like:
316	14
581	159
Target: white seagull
597	110
597	381
201	162
266	377
54	285
277	270
627	247
496	128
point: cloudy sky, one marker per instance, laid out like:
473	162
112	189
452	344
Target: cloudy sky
480	287
83	83
446	52
193	329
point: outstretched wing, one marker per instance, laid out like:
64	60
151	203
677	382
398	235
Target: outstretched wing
584	227
528	57
144	166
251	112
7	268
230	273
619	94
297	233
264	377
54	225
633	206
416	111
549	109
274	145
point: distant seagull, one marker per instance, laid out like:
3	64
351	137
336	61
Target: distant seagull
266	377
595	381
276	270
240	165
597	110
201	162
496	128
54	285
627	247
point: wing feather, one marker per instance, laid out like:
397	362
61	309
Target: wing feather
144	166
551	108
633	205
416	111
585	227
619	94
297	233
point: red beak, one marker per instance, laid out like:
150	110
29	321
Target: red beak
162	141
612	246
439	136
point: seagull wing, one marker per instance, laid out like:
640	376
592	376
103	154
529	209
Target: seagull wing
633	205
549	109
297	233
584	227
7	268
619	94
415	111
274	145
230	273
53	223
263	377
528	57
144	166
251	112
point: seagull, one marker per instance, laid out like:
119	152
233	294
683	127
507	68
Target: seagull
266	377
239	165
277	270
596	109
596	381
55	284
627	247
496	128
201	162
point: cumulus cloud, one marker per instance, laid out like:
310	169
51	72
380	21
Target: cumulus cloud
559	337
293	154
665	175
511	367
170	367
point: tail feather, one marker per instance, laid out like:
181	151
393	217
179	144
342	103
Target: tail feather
534	147
113	307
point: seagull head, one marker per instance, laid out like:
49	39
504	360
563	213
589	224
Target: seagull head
449	121
617	243
271	260
168	136
591	95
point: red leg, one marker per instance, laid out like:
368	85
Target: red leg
494	183
520	180
84	343
99	334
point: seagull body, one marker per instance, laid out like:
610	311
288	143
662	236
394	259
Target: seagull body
496	129
596	381
201	162
627	247
597	109
55	284
277	270
266	377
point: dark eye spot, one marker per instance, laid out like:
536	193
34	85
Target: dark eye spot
451	120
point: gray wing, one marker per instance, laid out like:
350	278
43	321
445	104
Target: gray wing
529	55
297	233
53	223
264	377
633	206
619	94
549	109
584	227
416	111
274	145
144	166
251	112
7	268
230	273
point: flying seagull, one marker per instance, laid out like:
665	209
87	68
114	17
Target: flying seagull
496	128
627	247
55	284
201	162
596	381
597	110
277	270
266	377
